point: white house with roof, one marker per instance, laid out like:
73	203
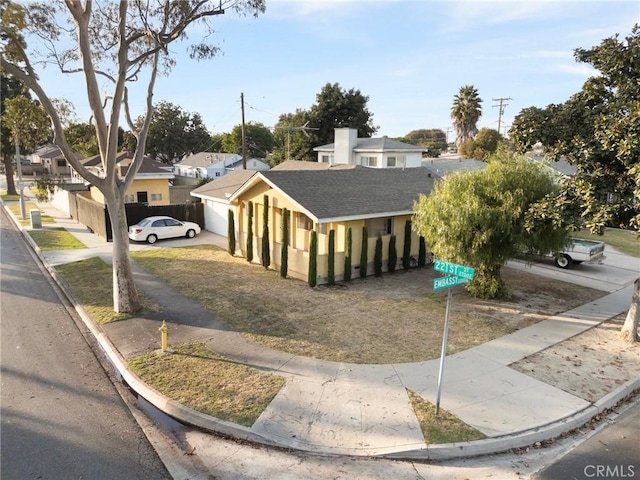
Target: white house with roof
369	152
214	165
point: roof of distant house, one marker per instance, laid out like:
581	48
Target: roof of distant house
442	166
149	165
304	165
204	159
376	145
223	187
350	193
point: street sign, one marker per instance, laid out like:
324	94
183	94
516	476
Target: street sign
446	282
453	269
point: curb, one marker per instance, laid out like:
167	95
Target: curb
197	419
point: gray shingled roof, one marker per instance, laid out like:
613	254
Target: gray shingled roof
358	192
224	186
376	144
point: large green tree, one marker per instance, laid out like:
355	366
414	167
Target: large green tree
174	132
116	44
82	139
296	134
26	123
10	87
483	218
258	140
433	139
465	113
598	131
481	147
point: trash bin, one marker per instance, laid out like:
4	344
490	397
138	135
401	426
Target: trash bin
36	220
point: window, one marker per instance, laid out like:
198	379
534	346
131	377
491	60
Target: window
62	163
304	222
217	174
382	226
326	158
369	161
396	161
322	228
156	197
142	197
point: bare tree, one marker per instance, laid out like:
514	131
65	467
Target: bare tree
122	42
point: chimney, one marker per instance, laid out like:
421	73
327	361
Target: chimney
346	140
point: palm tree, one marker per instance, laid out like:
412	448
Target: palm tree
466	112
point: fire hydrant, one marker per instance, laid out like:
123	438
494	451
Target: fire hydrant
164	333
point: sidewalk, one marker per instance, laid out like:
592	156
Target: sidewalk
353	409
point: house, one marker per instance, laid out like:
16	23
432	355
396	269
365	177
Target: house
332	199
443	166
150	185
52	160
214	165
369	152
215	196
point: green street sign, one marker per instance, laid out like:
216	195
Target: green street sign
446	282
453	269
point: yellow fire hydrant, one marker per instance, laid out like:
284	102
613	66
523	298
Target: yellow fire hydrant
164	331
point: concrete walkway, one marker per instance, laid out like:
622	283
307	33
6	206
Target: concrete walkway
354	409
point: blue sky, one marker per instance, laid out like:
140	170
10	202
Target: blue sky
409	57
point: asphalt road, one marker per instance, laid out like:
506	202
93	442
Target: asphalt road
612	453
62	417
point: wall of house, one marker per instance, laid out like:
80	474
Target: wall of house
298	252
411	159
158	186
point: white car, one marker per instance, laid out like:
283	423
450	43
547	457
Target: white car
578	251
152	229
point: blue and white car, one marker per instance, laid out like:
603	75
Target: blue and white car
152	229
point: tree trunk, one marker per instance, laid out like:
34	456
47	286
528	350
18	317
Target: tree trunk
630	328
125	293
8	170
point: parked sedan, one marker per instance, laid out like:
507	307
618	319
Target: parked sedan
151	229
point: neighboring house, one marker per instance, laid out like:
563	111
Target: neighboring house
383	152
561	166
150	185
442	166
52	160
215	196
214	165
336	199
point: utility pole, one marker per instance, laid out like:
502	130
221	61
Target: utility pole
244	138
501	105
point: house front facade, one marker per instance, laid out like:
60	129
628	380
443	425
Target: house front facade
383	152
150	185
341	200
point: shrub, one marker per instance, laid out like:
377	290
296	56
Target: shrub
331	275
284	252
313	259
364	253
231	234
377	257
250	232
422	253
347	257
266	249
393	255
406	250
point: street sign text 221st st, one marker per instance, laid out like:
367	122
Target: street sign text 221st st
453	269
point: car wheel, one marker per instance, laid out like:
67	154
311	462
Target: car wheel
191	233
152	239
563	261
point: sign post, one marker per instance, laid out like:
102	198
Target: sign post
459	274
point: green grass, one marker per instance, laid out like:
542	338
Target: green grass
90	281
55	239
441	428
9	198
627	241
15	209
198	378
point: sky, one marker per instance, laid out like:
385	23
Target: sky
409	57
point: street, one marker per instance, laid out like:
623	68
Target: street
61	415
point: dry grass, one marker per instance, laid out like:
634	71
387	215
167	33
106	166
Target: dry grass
96	295
441	428
199	379
389	319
